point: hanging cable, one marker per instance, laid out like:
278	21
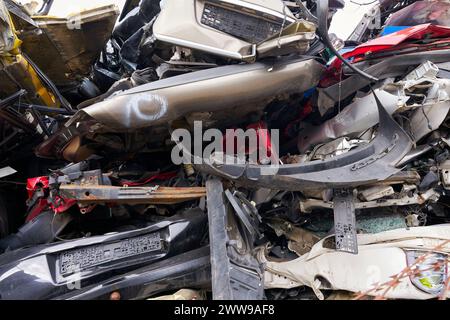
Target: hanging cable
322	15
49	83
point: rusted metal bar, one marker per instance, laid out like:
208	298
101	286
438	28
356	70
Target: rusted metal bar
85	194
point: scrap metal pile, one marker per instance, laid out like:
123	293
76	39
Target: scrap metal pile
124	173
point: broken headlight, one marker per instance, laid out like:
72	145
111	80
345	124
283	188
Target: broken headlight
431	273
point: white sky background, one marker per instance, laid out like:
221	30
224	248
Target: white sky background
344	22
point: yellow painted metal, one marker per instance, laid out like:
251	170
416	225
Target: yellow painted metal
34	81
29	78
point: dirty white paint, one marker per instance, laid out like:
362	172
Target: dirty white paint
380	257
343	24
345	20
137	110
144	108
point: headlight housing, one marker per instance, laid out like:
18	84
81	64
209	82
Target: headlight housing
432	272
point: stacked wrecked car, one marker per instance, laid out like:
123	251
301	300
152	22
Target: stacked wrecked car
108	194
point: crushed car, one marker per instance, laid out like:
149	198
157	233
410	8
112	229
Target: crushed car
226	150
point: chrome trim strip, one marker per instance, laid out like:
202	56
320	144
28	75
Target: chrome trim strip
193	45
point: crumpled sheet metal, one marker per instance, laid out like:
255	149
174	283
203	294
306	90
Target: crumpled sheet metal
436	114
382	69
7	40
428	116
365	165
355	118
218	89
174	25
70	45
380	257
190	269
46	271
309	205
435	12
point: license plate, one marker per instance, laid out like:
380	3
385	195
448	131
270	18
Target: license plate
239	25
77	260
